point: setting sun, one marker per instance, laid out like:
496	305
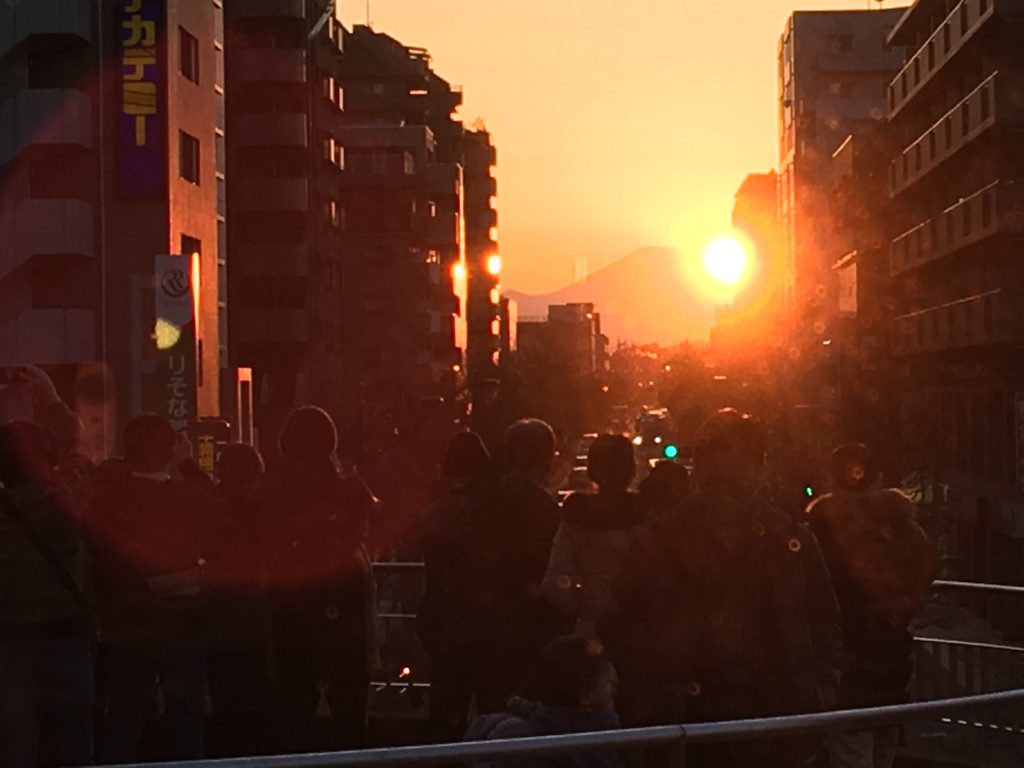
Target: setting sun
725	260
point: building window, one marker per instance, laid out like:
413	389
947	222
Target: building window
408	163
949	228
964	20
986	209
190	245
931	145
931	55
380	163
986	103
948	128
917	157
946	35
982	7
967	219
189	63
188	157
917	70
965	119
905	163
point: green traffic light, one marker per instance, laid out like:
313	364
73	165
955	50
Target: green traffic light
670	451
809	491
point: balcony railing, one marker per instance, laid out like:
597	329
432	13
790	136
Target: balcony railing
270	130
43	17
994	209
272	65
965	20
993	101
986	319
292	9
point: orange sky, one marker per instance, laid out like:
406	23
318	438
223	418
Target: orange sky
619	123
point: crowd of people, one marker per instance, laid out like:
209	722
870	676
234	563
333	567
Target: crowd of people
149	610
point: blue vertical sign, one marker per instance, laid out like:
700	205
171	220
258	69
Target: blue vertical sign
171	390
142	140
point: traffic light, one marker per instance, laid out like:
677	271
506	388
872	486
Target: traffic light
670	451
809	491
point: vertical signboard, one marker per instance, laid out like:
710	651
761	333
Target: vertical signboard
1018	422
142	141
171	390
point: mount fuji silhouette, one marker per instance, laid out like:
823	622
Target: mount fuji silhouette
642	298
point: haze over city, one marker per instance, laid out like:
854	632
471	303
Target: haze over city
619	124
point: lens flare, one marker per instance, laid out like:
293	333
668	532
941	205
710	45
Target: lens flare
725	259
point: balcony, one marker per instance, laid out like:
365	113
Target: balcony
271	65
284	194
962	24
271	326
270	130
49	337
44	116
994	101
290	260
986	319
996	208
44	226
43	17
270	9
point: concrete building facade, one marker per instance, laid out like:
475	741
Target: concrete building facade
111	147
955	184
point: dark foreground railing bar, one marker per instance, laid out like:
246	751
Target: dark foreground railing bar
969	644
693	733
973	586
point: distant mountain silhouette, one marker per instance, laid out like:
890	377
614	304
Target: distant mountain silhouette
642	298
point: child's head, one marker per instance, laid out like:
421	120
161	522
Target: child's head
611	463
575	672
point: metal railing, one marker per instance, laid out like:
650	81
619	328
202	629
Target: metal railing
657	736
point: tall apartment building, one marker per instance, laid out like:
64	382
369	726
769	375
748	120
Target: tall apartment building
111	153
483	260
955	108
285	159
403	196
833	71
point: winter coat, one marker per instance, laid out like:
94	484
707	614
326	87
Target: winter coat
31	590
720	624
314	524
589	547
151	539
516	534
882	565
460	570
522	719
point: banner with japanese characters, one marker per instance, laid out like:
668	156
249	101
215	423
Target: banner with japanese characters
171	389
142	150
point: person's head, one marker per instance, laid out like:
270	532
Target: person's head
309	435
149	442
729	452
574	672
611	463
853	468
530	448
665	484
465	458
27	454
240	468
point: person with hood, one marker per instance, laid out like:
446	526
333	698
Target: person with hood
572	690
152	536
882	565
725	610
46	632
515	537
315	522
451	617
594	536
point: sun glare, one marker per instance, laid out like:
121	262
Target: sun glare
725	259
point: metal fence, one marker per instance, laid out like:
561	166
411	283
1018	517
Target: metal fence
680	736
